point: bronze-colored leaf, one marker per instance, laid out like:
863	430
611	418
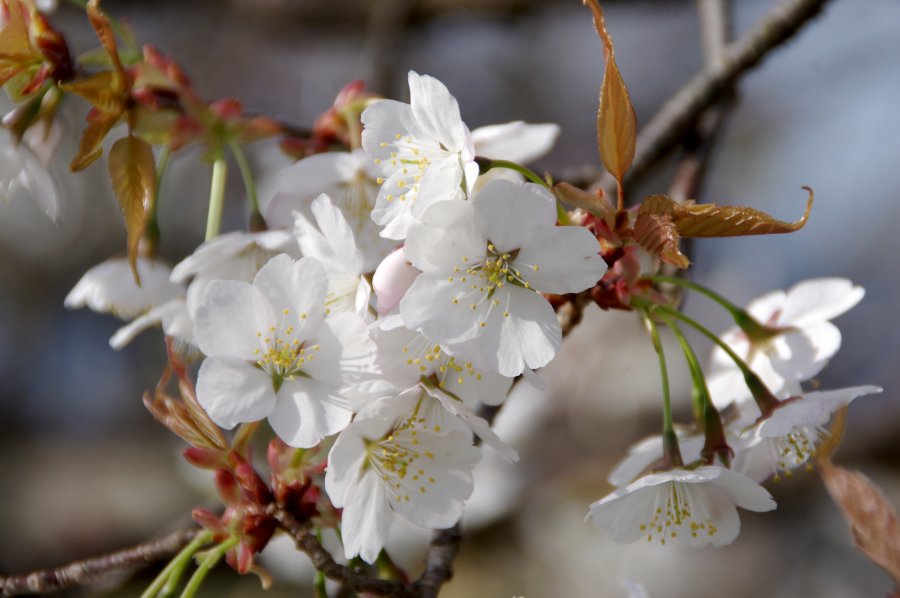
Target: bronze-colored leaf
15	41
104	91
133	172
593	203
91	145
873	520
616	120
103	29
709	220
658	235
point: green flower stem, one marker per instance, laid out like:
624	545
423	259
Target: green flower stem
387	569
319	588
705	413
256	219
763	396
753	329
151	231
671	454
207	562
176	565
216	198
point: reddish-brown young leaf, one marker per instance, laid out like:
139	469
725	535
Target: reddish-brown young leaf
91	145
873	520
616	120
133	172
592	203
15	42
103	29
709	220
658	235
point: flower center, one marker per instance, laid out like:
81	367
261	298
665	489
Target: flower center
282	355
793	450
431	359
677	510
398	459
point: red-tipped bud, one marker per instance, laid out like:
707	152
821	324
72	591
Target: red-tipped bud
205	458
253	487
227	486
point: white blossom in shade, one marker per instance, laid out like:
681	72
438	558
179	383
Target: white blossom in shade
172	316
392	278
24	172
388	462
406	356
691	507
328	237
788	437
271	353
484	264
809	339
648	451
515	141
348	178
424	150
109	287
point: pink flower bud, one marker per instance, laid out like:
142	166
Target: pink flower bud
393	277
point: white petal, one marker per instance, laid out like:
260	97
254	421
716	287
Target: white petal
429	306
306	411
392	278
516	141
232	392
768	308
447	237
110	287
345	463
561	259
383	120
297	287
172	315
366	519
436	111
330	240
820	299
505	212
230	318
744	492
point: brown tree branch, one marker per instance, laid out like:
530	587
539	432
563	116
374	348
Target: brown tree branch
678	115
90	571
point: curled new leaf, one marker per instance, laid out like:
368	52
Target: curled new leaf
658	235
593	203
133	173
709	220
103	29
616	121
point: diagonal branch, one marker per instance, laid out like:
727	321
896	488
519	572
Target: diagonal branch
669	126
92	570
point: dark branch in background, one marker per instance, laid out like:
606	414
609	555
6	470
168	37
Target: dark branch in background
92	570
677	116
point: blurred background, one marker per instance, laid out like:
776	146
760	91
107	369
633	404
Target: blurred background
85	469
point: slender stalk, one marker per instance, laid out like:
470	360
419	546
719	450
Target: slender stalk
672	454
209	560
523	170
705	412
256	219
178	563
151	231
763	396
216	198
319	580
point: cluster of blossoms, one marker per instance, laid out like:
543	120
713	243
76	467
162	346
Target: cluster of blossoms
394	292
401	285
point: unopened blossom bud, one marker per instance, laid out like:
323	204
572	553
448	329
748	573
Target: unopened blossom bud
252	485
393	277
204	458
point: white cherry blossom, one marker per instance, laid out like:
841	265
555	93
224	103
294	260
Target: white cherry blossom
24	170
424	150
271	353
809	339
348	178
691	507
390	461
329	238
109	287
391	280
788	437
648	451
484	264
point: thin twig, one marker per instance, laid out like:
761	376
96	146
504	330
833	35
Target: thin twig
669	126
306	541
90	571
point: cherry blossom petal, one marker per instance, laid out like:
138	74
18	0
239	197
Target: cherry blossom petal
561	259
306	411
231	318
516	141
505	212
232	391
436	111
296	290
820	299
